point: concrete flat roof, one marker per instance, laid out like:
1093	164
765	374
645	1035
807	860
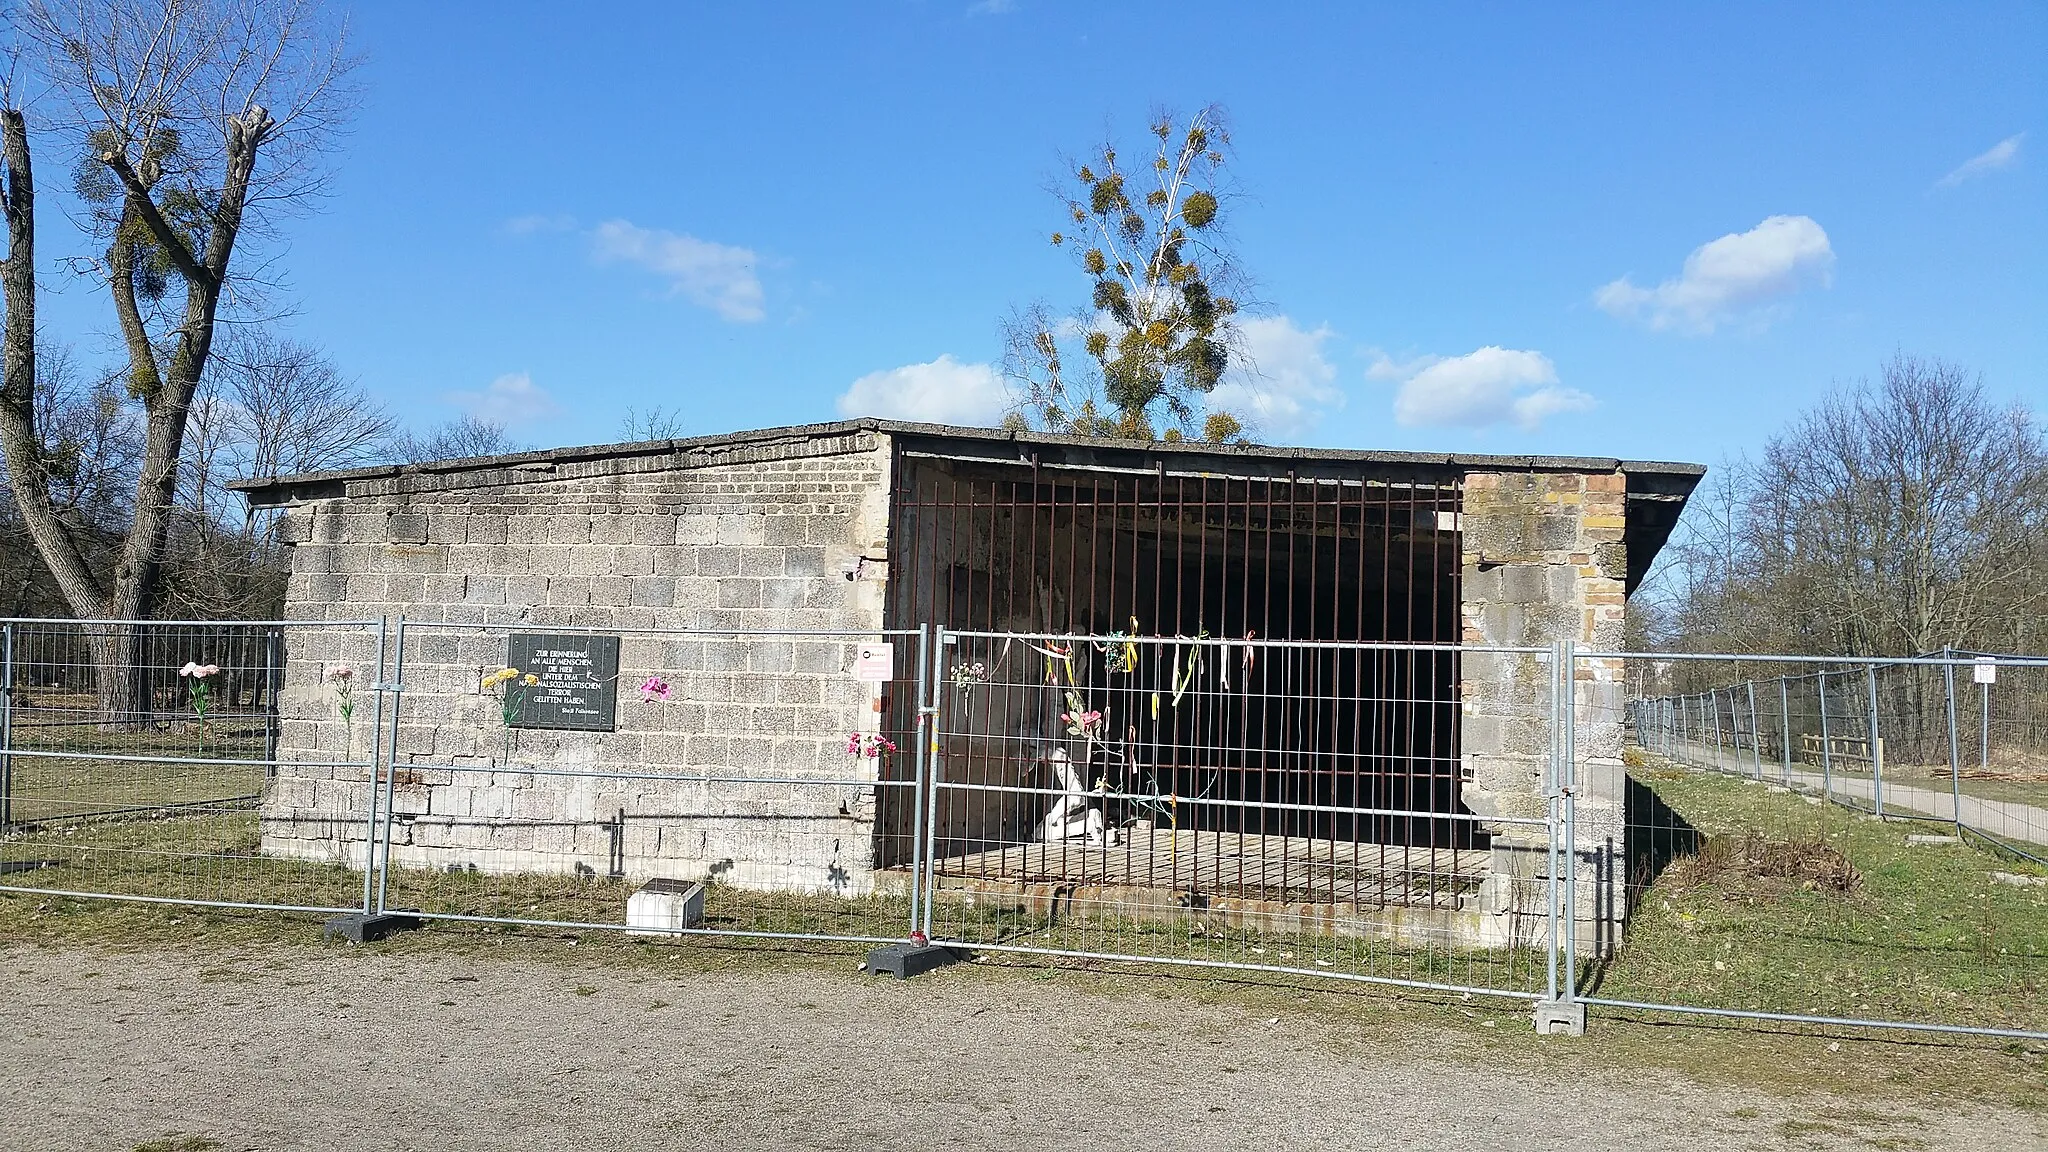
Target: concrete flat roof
994	443
1657	489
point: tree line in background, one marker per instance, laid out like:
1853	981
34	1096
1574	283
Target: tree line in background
268	406
185	131
1896	517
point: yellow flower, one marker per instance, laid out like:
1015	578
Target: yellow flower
530	679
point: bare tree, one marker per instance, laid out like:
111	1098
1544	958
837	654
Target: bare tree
1159	331
461	437
1893	518
192	121
292	411
656	423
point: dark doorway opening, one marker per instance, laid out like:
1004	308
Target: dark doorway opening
1355	574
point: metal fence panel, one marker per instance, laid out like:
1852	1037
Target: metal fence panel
1837	858
759	765
1232	804
139	759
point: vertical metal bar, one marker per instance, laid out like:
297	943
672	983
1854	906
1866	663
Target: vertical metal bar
1756	751
1827	754
931	825
1785	729
1983	732
273	668
1553	953
391	757
927	693
1714	703
1955	752
1570	769
376	758
1876	747
7	728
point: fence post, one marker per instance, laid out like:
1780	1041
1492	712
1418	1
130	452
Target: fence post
1570	767
1984	730
927	693
1876	747
273	670
1756	749
1955	752
7	728
391	760
1785	729
931	824
1827	754
1714	701
1560	1010
376	756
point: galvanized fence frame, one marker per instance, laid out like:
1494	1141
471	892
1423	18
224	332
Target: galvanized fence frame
1556	903
401	760
160	845
1688	729
1741	720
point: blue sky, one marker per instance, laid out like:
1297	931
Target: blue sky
1470	226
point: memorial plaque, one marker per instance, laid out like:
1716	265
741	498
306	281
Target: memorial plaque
579	680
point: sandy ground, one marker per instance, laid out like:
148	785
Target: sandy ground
340	1048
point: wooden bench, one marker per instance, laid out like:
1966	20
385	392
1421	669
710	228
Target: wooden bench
1850	749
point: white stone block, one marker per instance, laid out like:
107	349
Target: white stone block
665	906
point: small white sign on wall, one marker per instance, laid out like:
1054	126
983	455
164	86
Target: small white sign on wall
1985	672
876	664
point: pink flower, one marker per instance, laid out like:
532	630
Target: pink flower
199	671
653	689
341	673
853	744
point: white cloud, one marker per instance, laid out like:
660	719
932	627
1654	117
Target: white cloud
510	399
1729	277
1491	385
718	276
1286	384
944	391
1999	155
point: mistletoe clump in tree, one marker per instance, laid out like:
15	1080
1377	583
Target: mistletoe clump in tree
1159	330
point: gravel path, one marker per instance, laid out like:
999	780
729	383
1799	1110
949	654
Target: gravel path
298	1048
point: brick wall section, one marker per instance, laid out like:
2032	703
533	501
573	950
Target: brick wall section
1544	561
783	535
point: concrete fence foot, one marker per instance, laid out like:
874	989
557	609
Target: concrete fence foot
1560	1018
906	960
365	927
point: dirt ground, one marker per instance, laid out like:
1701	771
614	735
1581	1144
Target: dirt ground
288	1048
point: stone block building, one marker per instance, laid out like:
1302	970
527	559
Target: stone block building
743	572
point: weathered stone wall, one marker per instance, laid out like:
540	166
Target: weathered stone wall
1544	561
782	535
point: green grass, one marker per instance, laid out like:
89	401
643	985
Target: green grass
46	784
1924	933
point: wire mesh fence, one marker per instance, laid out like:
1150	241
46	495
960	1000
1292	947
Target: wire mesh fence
1816	843
1257	804
136	758
1837	841
1953	739
685	782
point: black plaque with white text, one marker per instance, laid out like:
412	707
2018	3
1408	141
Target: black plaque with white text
579	680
